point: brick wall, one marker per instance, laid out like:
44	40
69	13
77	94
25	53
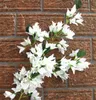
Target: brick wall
15	15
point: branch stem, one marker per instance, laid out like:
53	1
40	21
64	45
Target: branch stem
20	96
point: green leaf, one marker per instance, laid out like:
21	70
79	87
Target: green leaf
30	94
56	69
67	21
34	75
47	50
81	53
43	45
27	28
78	4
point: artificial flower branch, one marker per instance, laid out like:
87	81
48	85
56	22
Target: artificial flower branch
42	64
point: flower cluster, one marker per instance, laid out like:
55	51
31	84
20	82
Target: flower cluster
39	44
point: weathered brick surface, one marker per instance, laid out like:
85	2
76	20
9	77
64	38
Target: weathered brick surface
44	19
62	5
9	50
95	94
7	24
53	82
6	76
10	5
68	95
83	79
93	6
90	23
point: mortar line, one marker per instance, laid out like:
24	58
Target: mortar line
12	37
42	5
15	24
71	88
67	83
42	93
12	63
89	5
93	96
43	12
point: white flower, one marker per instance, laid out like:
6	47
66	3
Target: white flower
77	19
74	53
71	13
44	34
55	27
37	81
52	27
79	64
42	71
20	75
44	66
16	81
25	83
21	49
41	35
30	56
18	88
49	64
63	75
37	50
26	42
9	94
65	64
34	29
73	65
37	33
68	33
51	45
36	64
83	64
35	96
59	26
31	32
62	46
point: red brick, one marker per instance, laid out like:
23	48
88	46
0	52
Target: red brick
7	24
95	94
62	5
53	82
90	23
6	76
85	78
44	19
93	5
10	5
80	43
94	49
9	50
68	94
